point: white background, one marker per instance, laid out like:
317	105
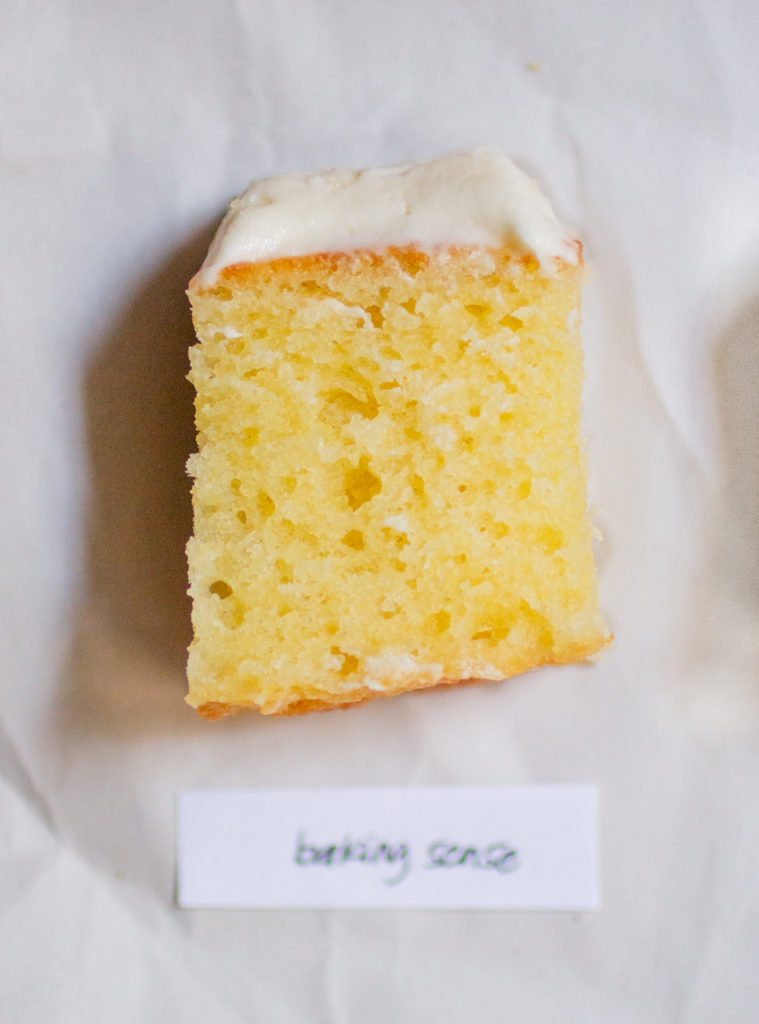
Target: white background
126	127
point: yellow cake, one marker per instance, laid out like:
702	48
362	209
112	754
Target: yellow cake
389	491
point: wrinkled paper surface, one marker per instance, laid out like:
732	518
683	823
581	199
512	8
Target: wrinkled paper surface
126	128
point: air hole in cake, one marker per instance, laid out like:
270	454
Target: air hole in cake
361	485
500	529
235	483
347	404
507	382
250	435
497	624
460	559
538	625
285	571
439	622
250	374
412	433
375	315
265	504
475	411
235	347
467	443
242	515
398	565
512	322
350	662
398	537
389	385
221	589
390	353
550	539
410	306
289	483
417	486
284	609
331	628
222	294
310	287
524	490
462	488
235	617
478	310
354	539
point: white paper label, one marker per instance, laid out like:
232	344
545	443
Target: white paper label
416	847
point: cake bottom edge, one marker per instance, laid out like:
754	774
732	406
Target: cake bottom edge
300	705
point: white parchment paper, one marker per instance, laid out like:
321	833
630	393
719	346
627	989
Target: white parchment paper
125	128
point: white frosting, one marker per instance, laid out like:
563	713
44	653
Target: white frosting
478	198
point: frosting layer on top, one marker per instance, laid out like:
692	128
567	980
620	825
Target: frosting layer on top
478	197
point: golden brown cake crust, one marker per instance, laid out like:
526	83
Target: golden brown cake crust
408	257
214	710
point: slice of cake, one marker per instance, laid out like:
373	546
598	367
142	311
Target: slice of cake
390	485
